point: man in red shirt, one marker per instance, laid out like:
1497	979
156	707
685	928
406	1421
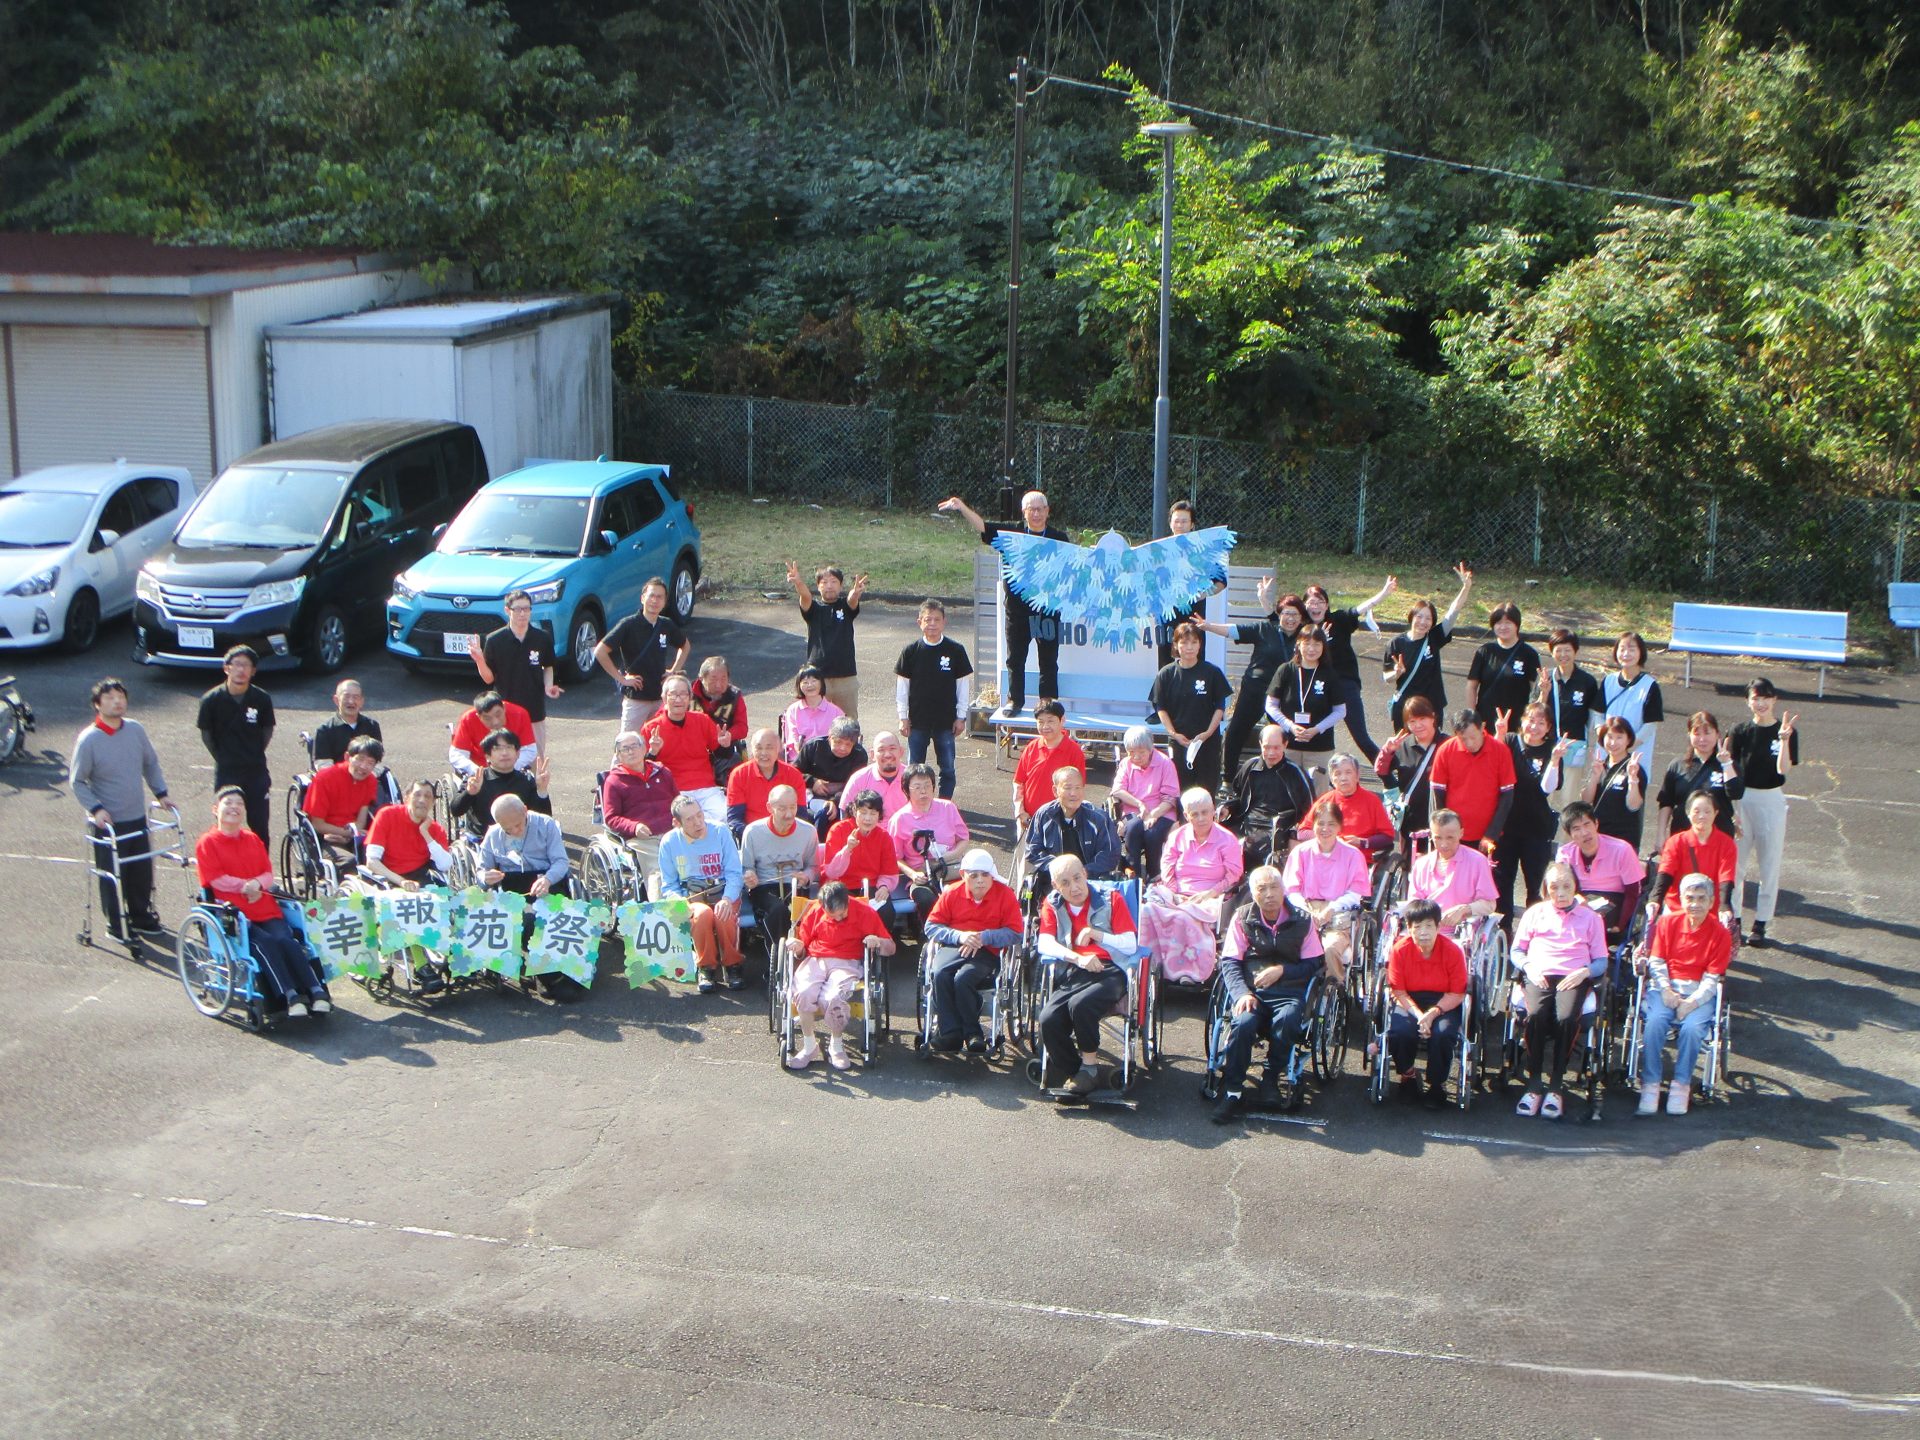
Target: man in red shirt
1033	776
829	949
683	739
754	778
405	844
970	928
1086	934
1363	817
466	751
1474	780
340	799
1427	977
232	862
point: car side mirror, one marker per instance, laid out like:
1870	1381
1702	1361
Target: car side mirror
102	539
606	543
438	531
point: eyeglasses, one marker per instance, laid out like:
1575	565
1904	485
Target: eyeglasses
520	609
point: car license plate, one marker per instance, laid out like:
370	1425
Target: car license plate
456	644
195	637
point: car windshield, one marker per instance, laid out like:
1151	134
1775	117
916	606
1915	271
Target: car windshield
41	519
264	507
502	523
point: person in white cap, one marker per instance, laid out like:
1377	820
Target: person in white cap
970	928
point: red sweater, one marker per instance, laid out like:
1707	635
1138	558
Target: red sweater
1473	783
632	798
237	857
872	859
1362	815
958	910
686	747
826	938
1443	972
471	730
337	798
1034	773
1682	855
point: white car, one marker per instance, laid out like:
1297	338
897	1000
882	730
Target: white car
72	539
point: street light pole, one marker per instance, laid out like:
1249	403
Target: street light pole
1010	422
1165	131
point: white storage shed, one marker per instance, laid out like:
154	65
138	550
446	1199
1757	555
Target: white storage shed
113	345
534	375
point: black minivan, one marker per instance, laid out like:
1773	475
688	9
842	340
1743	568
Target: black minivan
293	549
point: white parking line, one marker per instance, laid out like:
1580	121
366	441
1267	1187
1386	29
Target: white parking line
1458	1139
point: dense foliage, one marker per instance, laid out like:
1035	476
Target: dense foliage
813	201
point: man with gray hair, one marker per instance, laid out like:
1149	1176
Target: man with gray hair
826	764
525	852
1687	959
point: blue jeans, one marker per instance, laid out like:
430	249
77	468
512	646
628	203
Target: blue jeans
957	981
1142	843
1658	1019
943	752
1403	1043
290	970
1280	1015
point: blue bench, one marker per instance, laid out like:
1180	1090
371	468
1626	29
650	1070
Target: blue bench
1903	609
1813	637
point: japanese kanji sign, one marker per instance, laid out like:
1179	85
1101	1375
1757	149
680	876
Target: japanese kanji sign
484	932
413	917
659	940
341	930
566	937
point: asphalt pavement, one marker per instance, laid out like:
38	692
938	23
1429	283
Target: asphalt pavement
495	1216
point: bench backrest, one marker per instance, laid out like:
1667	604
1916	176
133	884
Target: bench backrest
1903	604
1804	631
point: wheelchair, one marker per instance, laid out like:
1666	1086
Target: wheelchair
311	867
388	794
1321	1046
1716	1055
16	719
1132	1031
1006	1005
872	1015
219	970
612	870
165	841
416	973
1505	1016
1466	1049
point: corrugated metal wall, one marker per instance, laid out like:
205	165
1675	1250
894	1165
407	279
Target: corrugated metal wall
95	392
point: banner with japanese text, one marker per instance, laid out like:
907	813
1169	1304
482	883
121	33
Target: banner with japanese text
485	932
659	940
566	937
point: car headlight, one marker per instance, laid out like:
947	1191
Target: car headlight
275	592
147	587
38	583
549	593
402	590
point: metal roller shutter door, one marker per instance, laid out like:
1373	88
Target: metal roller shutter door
84	392
6	407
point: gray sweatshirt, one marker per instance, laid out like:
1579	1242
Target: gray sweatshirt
775	858
107	771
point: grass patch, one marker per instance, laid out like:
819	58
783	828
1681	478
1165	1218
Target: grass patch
906	552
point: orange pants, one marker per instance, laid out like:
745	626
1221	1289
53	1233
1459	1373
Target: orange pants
714	943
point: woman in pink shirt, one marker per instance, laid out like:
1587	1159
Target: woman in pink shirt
1327	877
925	814
810	715
1560	946
1148	794
1199	868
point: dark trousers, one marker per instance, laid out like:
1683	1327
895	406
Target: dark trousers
1071	1019
957	981
258	787
942	742
770	911
1526	857
1350	690
1142	843
289	968
1403	1042
130	839
1279	1015
1553	1018
1248	714
1024	628
520	882
1205	769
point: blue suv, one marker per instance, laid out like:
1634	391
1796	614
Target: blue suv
580	537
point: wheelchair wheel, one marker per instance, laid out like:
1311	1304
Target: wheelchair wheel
1329	1037
922	1006
1146	1022
463	869
598	878
1216	1042
204	956
296	793
1377	1059
1389	884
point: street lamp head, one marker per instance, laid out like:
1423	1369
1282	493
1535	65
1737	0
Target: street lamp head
1168	130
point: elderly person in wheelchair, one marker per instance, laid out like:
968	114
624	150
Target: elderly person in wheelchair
1199	869
829	948
1455	876
1067	825
779	862
699	863
525	852
406	846
1269	801
1560	948
1145	801
1427	984
1685	968
341	799
972	926
232	864
1327	878
1086	934
1272	953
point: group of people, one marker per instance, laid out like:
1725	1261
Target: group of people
737	818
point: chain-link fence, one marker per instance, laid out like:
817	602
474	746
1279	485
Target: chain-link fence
1814	553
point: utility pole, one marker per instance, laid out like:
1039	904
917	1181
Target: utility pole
1008	489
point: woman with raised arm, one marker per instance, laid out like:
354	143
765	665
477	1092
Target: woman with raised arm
1412	661
1271	639
1344	665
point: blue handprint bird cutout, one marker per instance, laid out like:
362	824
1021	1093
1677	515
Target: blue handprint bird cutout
1114	588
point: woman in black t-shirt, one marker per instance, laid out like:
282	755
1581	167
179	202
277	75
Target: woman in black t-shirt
1272	642
1412	662
1190	696
1526	842
1304	696
1707	767
1616	785
1343	666
1505	671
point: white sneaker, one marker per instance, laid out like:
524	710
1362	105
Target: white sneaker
837	1054
804	1056
1678	1098
1649	1100
322	1005
297	1010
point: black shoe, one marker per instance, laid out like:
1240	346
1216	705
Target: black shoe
736	977
1409	1088
977	1046
1436	1094
1269	1096
563	989
1757	937
1296	1097
945	1044
429	979
148	924
1227	1108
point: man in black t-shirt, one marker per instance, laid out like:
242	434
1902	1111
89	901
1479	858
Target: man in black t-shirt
347	724
236	725
1023	626
826	763
640	652
931	689
829	622
517	661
